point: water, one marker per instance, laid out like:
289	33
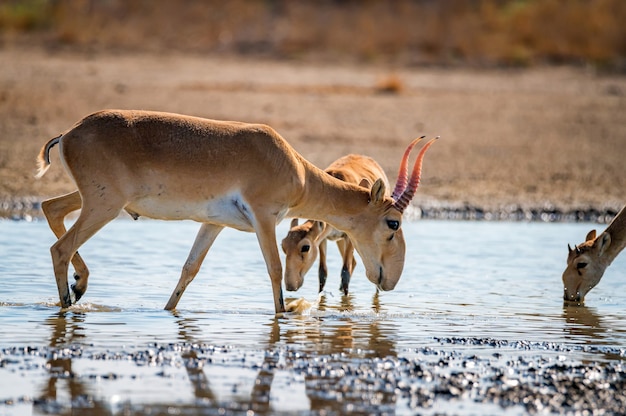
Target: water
497	281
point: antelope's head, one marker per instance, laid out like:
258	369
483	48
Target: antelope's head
377	231
301	248
585	266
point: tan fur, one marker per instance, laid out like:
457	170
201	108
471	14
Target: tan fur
304	242
219	173
587	262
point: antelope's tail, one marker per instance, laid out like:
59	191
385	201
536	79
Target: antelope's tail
43	160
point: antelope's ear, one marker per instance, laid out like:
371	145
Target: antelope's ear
294	223
319	227
377	193
591	235
604	242
365	183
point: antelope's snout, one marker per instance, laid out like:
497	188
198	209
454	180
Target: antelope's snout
573	296
384	281
294	283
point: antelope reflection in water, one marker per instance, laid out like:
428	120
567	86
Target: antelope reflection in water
337	331
582	320
319	334
275	381
67	331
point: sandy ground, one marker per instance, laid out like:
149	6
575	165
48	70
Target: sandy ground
531	138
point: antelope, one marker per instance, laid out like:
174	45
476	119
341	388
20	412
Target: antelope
587	262
304	241
220	174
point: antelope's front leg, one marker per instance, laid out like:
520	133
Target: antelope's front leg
204	240
266	234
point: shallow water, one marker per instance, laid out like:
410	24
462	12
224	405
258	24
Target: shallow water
467	286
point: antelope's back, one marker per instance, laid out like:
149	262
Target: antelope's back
353	168
141	151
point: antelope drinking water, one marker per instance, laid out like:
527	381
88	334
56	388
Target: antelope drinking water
303	242
220	174
587	262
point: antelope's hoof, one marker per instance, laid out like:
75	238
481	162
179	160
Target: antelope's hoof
67	301
78	293
344	288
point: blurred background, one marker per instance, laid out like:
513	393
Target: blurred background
408	32
529	96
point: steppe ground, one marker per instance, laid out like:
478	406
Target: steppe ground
528	137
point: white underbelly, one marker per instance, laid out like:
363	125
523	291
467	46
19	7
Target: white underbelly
228	210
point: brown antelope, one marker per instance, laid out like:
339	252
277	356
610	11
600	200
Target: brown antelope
219	173
587	262
304	241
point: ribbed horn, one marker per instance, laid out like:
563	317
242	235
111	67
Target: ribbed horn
403	201
403	172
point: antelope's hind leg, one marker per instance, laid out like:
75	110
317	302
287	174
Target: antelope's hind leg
55	211
92	218
349	263
322	272
204	240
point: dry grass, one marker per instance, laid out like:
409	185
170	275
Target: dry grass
475	32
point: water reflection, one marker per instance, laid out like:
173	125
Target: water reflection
583	321
342	337
345	336
259	399
67	331
335	330
346	303
188	332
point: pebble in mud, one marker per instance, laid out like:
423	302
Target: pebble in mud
354	383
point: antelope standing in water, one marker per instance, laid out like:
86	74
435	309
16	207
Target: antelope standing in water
218	173
587	262
303	242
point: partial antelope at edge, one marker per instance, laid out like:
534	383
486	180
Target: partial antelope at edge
587	261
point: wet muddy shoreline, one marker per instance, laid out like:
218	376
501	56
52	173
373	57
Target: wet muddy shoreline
537	378
30	208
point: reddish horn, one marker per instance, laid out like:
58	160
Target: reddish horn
403	173
406	197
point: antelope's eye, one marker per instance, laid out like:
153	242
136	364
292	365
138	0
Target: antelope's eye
393	224
581	265
305	248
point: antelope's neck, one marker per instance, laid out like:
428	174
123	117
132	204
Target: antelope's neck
617	231
328	199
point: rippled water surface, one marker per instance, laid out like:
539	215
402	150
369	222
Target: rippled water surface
481	281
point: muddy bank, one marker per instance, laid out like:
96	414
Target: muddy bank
480	374
30	209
